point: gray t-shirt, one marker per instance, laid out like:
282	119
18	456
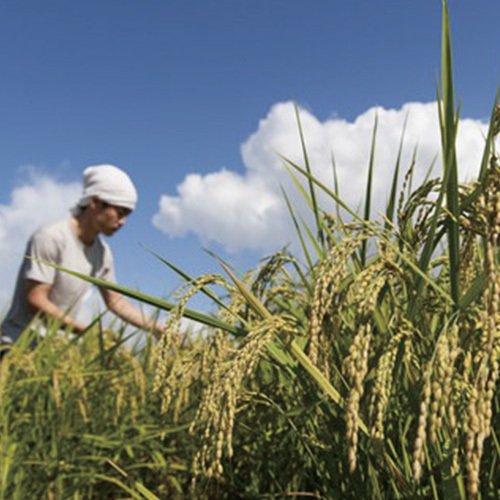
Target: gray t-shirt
57	243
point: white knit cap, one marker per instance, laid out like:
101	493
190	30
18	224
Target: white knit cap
109	184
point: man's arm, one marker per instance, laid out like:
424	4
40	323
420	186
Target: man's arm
119	305
37	295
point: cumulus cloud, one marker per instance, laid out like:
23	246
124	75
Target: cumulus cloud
41	199
213	206
247	211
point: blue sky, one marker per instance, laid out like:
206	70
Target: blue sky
171	89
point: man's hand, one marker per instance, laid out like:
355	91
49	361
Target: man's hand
120	306
37	295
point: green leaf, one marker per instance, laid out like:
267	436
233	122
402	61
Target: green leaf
474	292
336	188
312	190
369	182
152	300
449	121
307	255
120	484
205	290
324	188
389	213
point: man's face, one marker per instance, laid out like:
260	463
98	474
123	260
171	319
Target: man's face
109	218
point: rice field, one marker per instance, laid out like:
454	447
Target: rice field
364	366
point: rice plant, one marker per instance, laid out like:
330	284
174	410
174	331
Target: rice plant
401	342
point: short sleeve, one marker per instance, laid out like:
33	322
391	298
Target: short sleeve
108	269
41	247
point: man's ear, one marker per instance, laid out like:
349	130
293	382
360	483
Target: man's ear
94	202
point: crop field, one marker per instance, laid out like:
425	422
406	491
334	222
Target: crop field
364	366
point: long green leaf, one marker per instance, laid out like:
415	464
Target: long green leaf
303	278
325	189
474	195
320	251
474	292
336	188
389	213
141	491
146	493
152	300
312	190
205	290
369	181
296	224
449	120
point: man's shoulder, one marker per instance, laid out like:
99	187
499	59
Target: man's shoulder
57	228
54	231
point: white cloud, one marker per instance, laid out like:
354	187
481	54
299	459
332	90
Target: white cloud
213	206
247	210
41	199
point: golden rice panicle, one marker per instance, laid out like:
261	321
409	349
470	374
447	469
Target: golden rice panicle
184	377
269	274
139	378
329	276
56	388
421	208
237	307
185	371
383	382
175	368
363	293
356	367
476	435
216	413
491	295
164	357
134	383
212	365
404	186
414	217
265	282
73	366
166	352
442	377
496	121
418	448
470	263
480	410
283	287
450	376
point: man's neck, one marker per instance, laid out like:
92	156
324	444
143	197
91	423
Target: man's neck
84	229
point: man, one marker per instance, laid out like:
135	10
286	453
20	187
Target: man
108	197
